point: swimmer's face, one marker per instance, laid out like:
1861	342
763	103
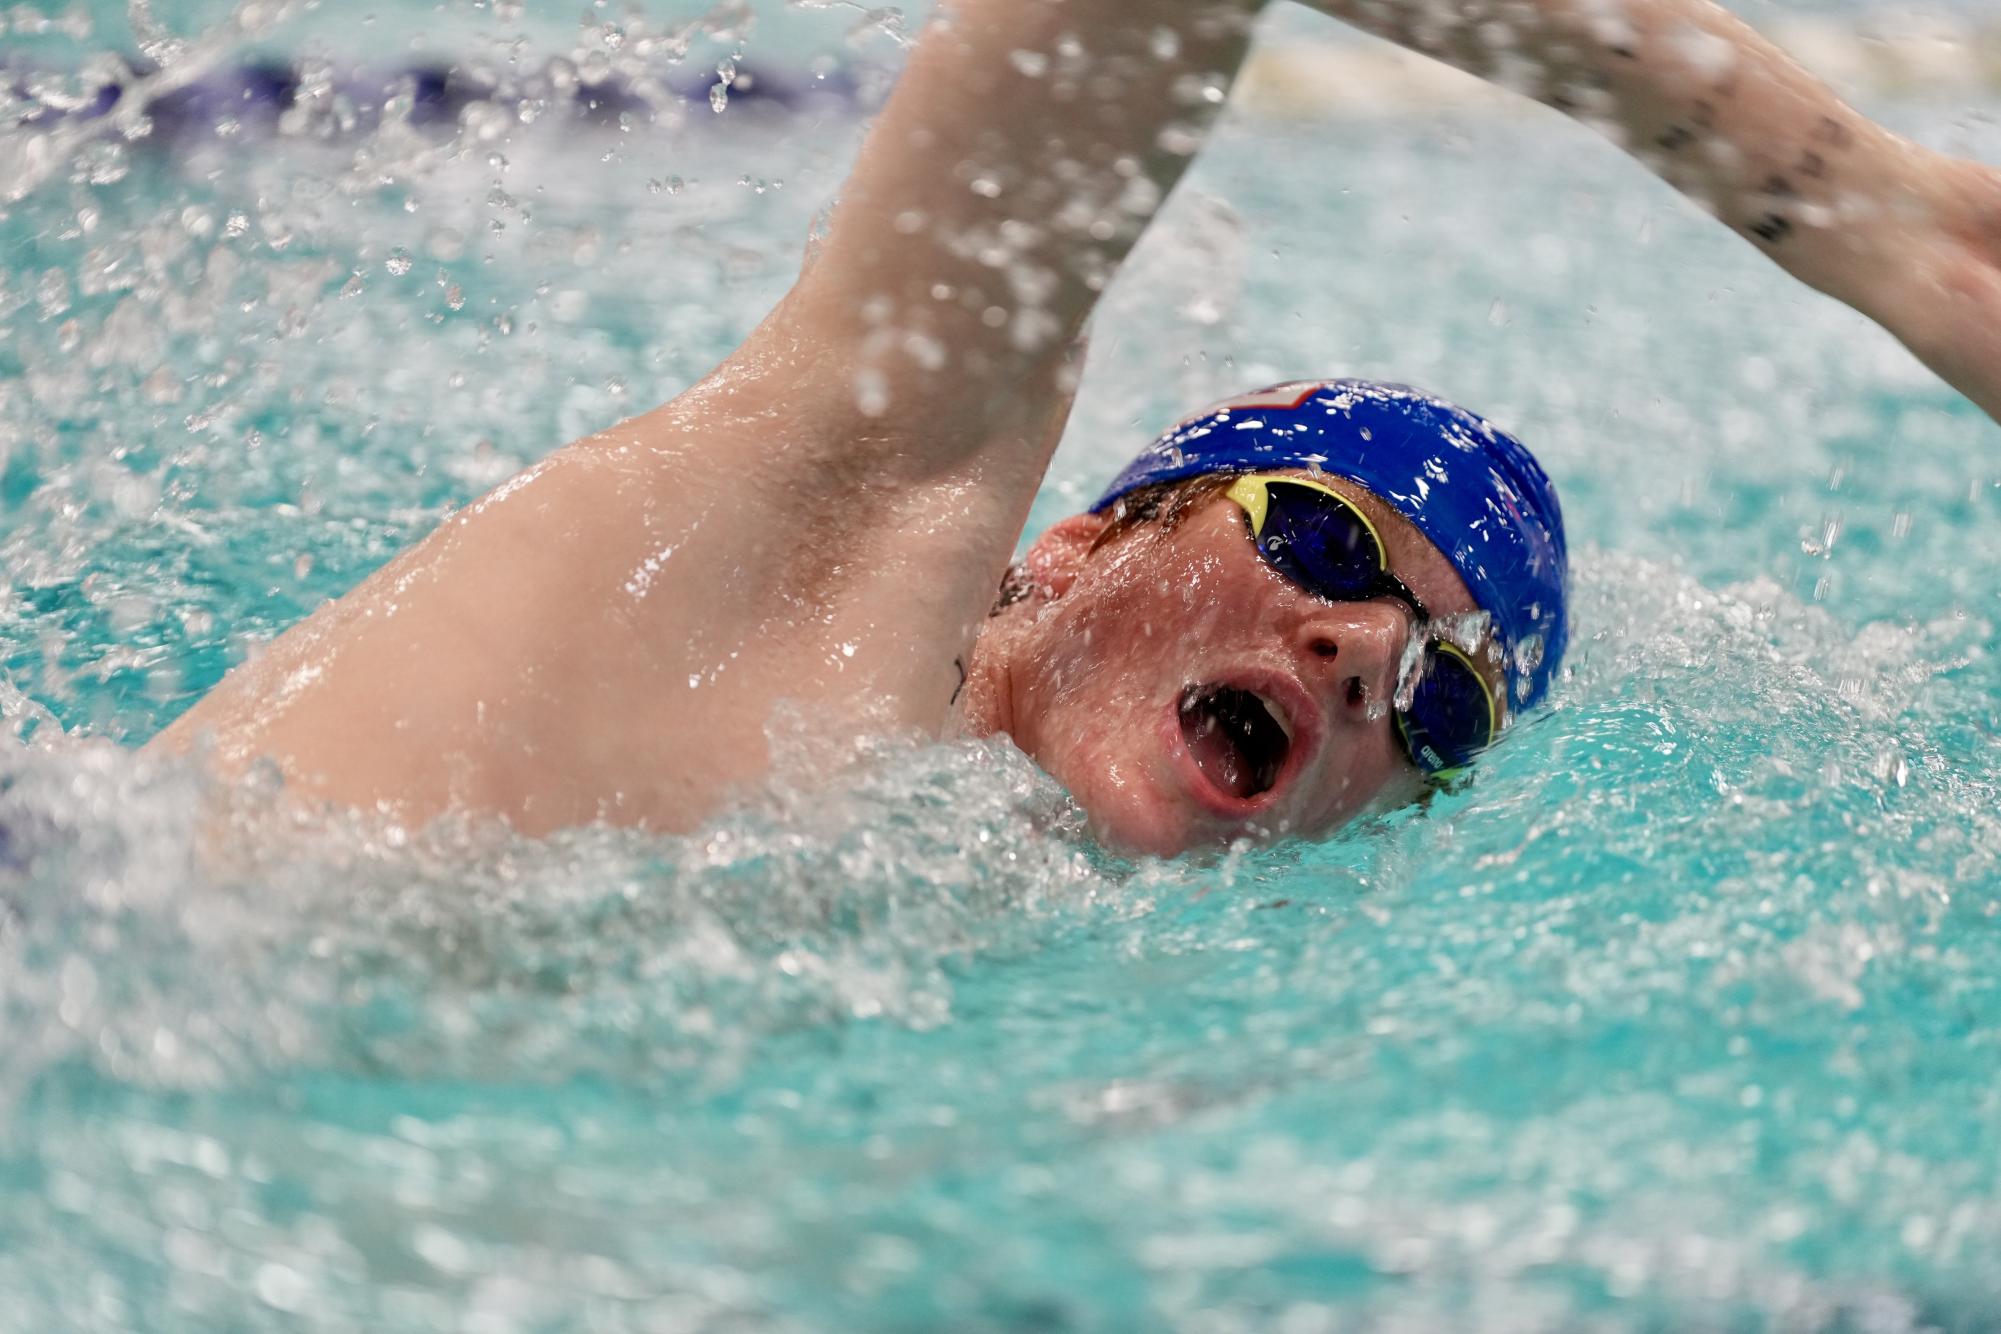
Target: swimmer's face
1189	695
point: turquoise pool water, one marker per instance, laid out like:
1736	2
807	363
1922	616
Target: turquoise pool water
1683	1015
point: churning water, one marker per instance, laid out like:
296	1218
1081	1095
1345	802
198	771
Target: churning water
1683	1013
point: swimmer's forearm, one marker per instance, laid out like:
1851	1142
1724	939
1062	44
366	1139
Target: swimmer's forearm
1902	234
1941	293
1692	91
1026	147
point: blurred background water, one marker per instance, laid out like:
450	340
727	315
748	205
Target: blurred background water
1680	1015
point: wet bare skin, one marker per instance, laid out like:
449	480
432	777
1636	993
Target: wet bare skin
1908	236
615	634
1087	673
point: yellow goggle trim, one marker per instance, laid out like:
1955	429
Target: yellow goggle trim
1250	494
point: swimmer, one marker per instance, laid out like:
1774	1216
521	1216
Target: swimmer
1278	618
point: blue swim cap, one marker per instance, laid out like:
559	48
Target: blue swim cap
1469	486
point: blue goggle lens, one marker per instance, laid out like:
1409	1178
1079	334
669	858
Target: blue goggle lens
1324	545
1321	544
1451	715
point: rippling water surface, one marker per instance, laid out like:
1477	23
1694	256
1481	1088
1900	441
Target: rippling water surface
1682	1014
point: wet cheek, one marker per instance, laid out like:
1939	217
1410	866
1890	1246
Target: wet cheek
1123	731
1196	586
1097	727
1121	795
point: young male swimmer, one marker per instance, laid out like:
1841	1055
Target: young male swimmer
1217	649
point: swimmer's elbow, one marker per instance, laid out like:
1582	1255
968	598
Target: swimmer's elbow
1927	269
1947	311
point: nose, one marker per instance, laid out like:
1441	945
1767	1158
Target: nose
1353	650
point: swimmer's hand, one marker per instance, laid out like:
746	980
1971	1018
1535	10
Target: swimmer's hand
1902	234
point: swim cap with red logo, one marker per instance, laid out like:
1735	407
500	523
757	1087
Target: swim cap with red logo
1471	488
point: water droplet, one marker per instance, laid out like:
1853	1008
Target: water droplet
282	1287
871	393
1180	139
102	164
52	293
1032	64
162	386
926	351
486	122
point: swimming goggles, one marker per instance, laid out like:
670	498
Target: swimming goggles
1316	538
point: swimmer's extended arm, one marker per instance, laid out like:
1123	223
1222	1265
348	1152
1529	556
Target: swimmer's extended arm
1027	146
808	540
1905	235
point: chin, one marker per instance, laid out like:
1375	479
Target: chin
1159	834
1140	819
1138	822
1128	812
1145	836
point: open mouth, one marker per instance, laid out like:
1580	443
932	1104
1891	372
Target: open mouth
1235	737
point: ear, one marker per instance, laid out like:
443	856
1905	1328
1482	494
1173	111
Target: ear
1056	558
